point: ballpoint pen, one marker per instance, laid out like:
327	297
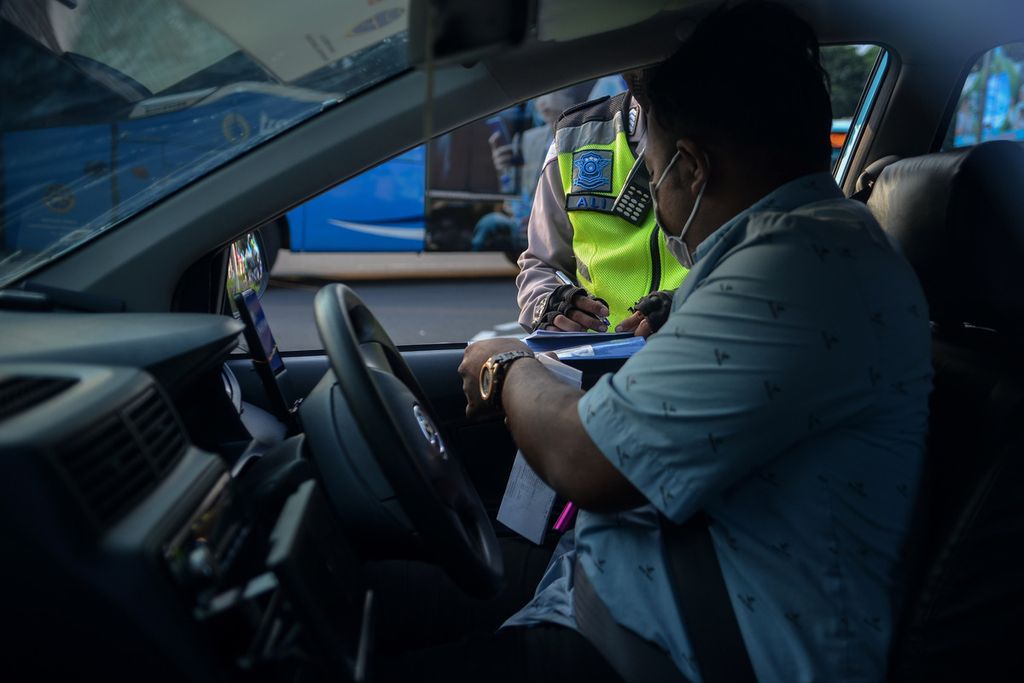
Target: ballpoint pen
565	280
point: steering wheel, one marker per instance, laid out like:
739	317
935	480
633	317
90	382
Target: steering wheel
395	419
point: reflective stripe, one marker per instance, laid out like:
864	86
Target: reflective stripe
588	135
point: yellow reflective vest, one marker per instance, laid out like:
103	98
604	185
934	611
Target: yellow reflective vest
615	260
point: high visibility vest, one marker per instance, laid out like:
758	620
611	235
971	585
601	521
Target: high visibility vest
615	260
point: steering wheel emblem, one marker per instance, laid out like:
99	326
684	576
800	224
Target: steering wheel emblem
430	432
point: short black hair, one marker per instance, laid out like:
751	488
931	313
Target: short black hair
749	78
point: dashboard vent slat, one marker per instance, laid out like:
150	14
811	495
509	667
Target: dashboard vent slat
20	393
161	434
103	479
123	457
106	440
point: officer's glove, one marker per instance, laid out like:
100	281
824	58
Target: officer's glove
559	301
655	308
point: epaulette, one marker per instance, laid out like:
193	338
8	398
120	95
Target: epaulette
602	109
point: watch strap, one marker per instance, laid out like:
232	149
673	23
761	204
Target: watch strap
499	365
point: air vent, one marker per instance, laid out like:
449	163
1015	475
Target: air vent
121	459
19	393
158	429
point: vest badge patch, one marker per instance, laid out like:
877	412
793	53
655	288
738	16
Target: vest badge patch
583	201
591	171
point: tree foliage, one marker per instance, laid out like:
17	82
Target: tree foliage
848	67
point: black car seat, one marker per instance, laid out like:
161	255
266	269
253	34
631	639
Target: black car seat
959	218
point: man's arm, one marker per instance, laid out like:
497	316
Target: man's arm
543	418
749	366
542	415
549	244
549	249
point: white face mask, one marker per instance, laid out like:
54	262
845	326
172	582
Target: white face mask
674	243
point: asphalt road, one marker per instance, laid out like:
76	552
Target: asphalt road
412	312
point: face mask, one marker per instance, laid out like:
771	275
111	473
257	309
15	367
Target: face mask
674	243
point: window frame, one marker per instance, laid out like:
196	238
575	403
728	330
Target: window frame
865	106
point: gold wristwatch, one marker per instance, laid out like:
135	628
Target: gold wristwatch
492	375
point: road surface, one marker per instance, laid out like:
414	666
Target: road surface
412	312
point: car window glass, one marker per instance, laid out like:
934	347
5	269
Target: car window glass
430	237
110	34
849	68
111	106
991	102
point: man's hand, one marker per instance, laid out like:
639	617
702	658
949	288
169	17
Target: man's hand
649	314
473	359
501	155
637	324
587	316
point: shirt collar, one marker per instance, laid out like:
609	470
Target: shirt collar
807	189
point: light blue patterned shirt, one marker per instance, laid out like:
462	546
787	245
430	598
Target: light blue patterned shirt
786	396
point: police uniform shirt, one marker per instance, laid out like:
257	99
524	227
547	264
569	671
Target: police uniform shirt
786	396
549	233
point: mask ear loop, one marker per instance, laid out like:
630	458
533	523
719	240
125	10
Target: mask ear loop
685	250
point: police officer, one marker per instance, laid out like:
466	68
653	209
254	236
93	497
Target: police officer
614	259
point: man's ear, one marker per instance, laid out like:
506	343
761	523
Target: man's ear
693	164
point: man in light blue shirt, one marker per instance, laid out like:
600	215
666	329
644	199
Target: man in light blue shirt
785	396
790	407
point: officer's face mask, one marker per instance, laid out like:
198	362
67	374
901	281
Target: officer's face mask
674	243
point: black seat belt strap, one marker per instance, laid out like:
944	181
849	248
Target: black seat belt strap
702	600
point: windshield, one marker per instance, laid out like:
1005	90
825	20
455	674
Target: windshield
107	106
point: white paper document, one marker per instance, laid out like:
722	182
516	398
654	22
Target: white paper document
527	505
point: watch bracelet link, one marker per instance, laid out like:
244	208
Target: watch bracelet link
499	364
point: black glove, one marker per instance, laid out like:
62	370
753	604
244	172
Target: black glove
558	302
655	307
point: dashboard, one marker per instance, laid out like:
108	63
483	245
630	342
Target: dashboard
161	527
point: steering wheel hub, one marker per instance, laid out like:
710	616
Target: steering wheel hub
430	432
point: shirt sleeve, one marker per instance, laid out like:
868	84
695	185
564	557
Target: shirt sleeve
549	243
751	362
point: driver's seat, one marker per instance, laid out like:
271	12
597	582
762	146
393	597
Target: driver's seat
959	218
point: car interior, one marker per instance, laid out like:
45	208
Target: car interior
166	518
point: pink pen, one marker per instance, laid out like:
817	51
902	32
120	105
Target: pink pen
562	523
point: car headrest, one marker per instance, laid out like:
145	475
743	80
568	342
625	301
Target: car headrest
866	179
959	218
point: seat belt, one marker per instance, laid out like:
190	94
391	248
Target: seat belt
635	659
702	600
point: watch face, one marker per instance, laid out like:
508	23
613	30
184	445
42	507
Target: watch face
486	380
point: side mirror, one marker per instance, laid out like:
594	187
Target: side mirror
247	266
